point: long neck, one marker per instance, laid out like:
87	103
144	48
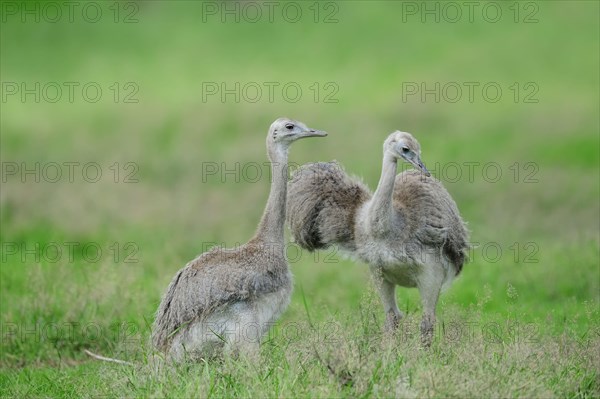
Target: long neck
270	229
381	209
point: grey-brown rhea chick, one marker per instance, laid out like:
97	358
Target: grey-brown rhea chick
409	231
226	299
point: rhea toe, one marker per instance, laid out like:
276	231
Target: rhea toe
226	299
409	231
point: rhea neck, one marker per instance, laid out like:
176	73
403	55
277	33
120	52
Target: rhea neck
270	229
381	209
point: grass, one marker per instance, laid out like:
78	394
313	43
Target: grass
524	322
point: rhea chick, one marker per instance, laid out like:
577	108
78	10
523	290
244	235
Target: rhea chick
409	231
226	299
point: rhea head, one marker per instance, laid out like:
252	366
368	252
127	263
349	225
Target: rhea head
402	145
285	131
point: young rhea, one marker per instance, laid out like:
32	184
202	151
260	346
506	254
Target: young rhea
226	299
409	231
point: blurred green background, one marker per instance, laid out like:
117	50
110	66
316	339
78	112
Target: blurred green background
364	56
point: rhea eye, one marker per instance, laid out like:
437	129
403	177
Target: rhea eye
405	150
289	126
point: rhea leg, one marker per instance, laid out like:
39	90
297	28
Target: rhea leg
387	294
430	285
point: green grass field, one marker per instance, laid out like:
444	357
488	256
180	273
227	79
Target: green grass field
106	195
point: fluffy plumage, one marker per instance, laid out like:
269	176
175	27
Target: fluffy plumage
321	209
323	202
243	274
431	216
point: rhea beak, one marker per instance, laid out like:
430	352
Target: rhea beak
419	164
413	158
313	133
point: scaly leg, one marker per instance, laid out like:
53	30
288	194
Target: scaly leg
387	294
430	285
